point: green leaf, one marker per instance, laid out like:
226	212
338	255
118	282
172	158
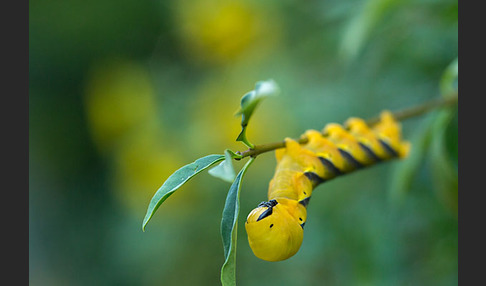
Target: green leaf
430	142
224	170
250	101
443	171
448	82
361	26
404	173
176	180
229	228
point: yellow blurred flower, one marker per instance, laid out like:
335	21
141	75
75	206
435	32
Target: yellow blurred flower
141	163
222	31
119	97
121	112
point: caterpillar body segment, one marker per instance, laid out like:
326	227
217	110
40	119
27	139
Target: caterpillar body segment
367	137
324	148
348	146
275	228
289	181
389	133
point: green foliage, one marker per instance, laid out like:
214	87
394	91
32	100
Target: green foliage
225	170
448	82
229	228
444	174
176	180
404	174
430	143
250	101
362	24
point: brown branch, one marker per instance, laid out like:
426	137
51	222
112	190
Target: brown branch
399	115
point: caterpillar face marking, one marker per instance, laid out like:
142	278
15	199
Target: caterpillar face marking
270	204
266	213
275	228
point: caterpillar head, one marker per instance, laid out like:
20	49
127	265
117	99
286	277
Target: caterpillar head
275	229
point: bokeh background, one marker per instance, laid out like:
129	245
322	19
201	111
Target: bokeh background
123	93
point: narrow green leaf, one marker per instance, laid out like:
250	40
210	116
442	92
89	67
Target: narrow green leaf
234	155
443	169
404	173
430	142
444	173
362	24
250	101
448	82
229	228
224	170
176	180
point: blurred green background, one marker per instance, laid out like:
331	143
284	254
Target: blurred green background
123	93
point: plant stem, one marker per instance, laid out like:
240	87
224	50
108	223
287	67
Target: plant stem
399	115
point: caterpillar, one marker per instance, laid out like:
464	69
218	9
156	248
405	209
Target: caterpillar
275	228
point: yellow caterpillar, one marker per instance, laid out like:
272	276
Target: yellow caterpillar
275	228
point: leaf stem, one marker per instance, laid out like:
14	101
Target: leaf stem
399	115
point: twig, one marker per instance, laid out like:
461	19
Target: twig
399	115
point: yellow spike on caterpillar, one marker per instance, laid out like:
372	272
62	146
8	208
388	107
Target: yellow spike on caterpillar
275	228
